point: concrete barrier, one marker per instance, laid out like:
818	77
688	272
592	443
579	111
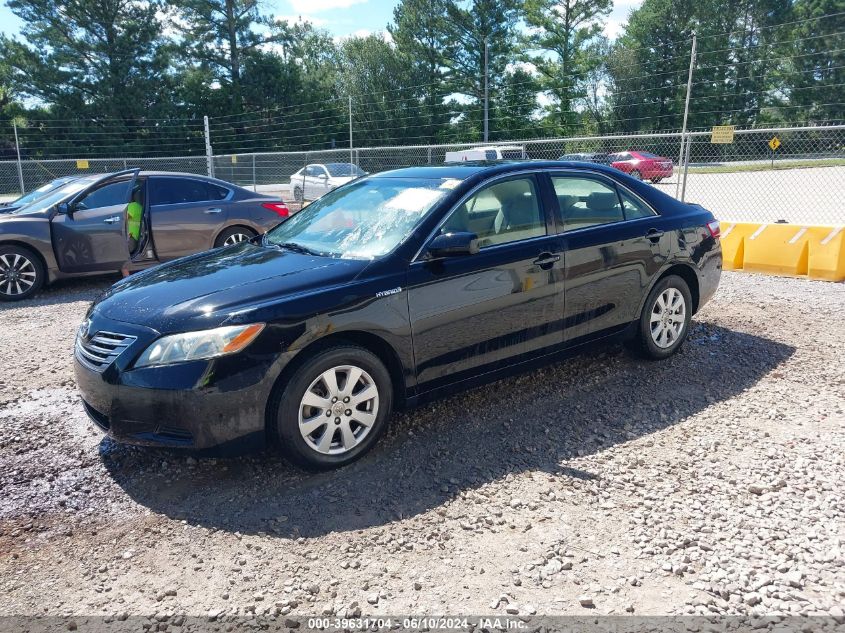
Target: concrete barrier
816	252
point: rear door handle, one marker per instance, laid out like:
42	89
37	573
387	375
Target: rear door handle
112	219
214	210
546	260
654	234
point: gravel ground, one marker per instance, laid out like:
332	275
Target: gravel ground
710	483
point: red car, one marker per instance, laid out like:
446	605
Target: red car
642	165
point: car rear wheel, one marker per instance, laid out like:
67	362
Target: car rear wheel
21	273
234	235
665	321
297	195
656	180
636	174
334	408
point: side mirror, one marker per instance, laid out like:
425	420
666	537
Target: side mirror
64	207
453	244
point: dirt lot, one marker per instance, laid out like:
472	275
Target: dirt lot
709	483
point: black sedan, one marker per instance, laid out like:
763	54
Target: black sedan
85	226
388	291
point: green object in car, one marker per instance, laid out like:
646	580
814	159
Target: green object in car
134	211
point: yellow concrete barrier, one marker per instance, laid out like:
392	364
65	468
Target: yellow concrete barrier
733	243
777	248
826	257
817	252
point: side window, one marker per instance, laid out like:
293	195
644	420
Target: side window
504	212
216	192
311	170
490	154
634	208
108	195
586	202
179	191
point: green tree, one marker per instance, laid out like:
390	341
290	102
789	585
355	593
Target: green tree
419	31
472	24
559	35
220	34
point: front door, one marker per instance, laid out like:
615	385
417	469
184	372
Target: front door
475	313
614	248
91	236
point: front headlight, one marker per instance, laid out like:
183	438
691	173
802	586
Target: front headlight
178	348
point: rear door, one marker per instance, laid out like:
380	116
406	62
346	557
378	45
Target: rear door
91	236
614	248
186	214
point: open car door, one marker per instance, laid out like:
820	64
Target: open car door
89	229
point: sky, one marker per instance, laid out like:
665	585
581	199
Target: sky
344	17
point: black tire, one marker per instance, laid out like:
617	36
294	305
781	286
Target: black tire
656	180
20	266
234	233
636	174
297	195
649	332
288	403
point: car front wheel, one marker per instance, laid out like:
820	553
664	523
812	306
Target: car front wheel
636	174
334	408
21	273
665	320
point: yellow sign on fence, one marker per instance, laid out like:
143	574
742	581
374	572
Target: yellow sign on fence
722	134
234	159
774	143
82	164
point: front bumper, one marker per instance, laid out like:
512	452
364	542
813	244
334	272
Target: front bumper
198	405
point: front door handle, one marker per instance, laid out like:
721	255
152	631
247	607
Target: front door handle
112	219
546	260
214	210
654	234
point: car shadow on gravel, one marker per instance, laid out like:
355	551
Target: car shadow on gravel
537	421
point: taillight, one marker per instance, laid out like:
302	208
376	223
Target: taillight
715	231
277	207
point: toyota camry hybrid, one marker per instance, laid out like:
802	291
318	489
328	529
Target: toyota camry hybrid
386	292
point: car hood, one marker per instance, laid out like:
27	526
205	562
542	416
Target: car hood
219	286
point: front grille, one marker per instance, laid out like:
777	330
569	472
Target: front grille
102	349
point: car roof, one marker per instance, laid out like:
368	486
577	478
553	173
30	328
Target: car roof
466	169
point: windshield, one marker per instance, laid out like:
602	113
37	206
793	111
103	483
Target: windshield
55	197
648	155
33	195
341	170
362	220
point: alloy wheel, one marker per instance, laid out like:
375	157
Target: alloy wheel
338	410
235	238
668	318
17	274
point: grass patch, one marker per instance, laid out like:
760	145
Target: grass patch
778	164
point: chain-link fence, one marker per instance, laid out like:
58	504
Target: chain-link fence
801	181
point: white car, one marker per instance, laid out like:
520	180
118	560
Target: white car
501	152
312	181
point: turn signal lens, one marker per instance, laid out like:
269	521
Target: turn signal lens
713	227
243	339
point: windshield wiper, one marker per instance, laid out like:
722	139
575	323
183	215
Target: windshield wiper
298	248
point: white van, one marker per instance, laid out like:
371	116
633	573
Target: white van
506	152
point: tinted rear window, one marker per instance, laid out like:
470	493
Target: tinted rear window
184	190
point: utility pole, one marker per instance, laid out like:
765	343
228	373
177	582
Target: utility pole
352	162
681	154
209	155
18	150
486	90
